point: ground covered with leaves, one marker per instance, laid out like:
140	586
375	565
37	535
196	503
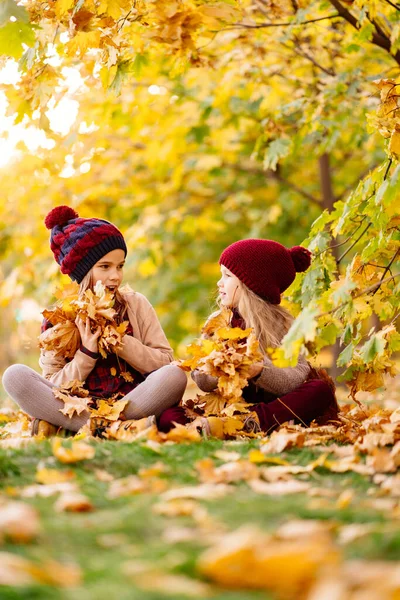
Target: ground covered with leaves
303	513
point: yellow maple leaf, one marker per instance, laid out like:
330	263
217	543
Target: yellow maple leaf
217	321
82	41
180	433
232	426
236	407
109	410
248	559
113	371
69	290
63	339
394	143
72	404
232	333
63	6
78	451
214	403
127	376
50	476
113	8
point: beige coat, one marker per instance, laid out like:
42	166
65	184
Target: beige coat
146	351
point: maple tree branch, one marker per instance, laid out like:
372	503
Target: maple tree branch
396	6
354	243
352	186
379	40
341	243
287	24
387	269
366	291
295	188
277	177
310	58
387	169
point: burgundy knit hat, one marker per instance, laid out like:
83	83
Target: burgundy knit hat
264	266
78	244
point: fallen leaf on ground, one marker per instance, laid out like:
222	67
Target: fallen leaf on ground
45	491
279	488
18	571
248	559
132	485
168	583
204	491
76	452
19	522
51	476
240	470
73	502
283	440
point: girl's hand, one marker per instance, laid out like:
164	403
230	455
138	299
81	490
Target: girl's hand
89	339
255	369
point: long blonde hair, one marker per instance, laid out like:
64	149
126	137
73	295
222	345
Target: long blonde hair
120	306
270	321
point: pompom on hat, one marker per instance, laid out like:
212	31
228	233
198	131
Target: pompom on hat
264	266
77	243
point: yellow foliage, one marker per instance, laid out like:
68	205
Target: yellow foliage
76	452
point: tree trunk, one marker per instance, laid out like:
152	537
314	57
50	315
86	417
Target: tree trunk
328	200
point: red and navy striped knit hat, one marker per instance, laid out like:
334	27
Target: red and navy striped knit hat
264	266
78	244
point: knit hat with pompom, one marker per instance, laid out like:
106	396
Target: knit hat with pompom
264	266
78	244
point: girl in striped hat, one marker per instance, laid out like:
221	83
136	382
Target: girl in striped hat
91	250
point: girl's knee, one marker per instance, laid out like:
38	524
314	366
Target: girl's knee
176	376
14	375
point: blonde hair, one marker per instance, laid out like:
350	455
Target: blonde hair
270	321
120	305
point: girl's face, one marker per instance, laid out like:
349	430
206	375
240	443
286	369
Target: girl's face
109	270
229	288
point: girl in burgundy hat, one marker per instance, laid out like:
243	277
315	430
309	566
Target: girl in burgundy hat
91	250
254	274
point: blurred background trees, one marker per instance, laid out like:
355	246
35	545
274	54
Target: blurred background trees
191	125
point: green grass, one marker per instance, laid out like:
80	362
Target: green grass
76	537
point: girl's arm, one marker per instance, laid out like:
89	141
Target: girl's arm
282	380
57	370
149	349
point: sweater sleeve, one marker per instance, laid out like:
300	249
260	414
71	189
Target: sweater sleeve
152	351
57	370
280	381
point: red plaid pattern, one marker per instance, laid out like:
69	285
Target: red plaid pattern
100	382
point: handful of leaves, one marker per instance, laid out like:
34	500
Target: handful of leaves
226	353
97	305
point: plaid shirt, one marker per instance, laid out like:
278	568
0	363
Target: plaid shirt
101	383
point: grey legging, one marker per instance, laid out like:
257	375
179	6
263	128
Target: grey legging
33	393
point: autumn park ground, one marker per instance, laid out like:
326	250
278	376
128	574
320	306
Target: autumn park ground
296	515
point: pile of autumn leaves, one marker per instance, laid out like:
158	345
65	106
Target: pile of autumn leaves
223	352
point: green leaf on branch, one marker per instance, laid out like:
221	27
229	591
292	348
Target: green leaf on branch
13	36
303	329
373	347
276	150
346	356
8	9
